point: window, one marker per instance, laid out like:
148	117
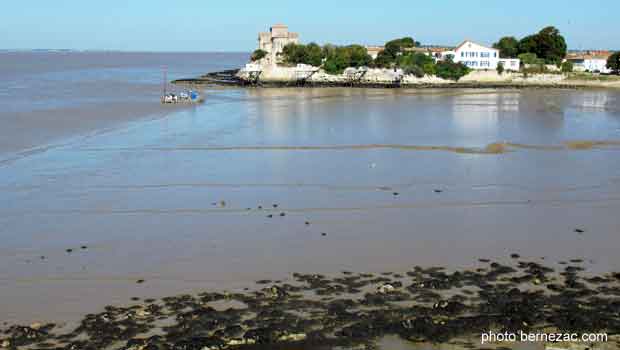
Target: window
485	64
462	54
485	54
494	54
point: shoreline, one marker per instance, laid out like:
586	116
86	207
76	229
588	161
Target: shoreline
83	124
230	78
349	310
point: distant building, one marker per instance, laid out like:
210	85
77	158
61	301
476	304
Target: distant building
590	61
373	51
275	40
476	56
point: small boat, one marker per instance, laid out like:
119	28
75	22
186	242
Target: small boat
189	96
183	97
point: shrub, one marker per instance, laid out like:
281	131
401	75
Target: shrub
340	58
613	62
258	55
500	68
530	58
311	54
450	70
567	67
414	70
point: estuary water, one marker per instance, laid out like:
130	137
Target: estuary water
260	183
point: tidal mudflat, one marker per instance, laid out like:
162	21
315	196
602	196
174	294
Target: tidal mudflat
506	201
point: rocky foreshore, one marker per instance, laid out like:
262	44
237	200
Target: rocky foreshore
279	76
354	310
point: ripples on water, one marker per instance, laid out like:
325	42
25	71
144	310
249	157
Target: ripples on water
476	173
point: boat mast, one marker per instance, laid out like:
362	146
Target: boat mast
165	81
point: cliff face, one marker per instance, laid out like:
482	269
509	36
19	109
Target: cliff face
374	76
283	74
276	75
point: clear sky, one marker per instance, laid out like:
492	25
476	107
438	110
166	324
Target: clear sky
232	25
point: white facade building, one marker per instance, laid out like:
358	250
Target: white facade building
476	56
589	63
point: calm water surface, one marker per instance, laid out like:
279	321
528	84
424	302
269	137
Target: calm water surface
174	200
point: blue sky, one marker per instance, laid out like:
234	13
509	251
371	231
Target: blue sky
209	25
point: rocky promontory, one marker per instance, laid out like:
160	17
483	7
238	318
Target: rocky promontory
253	75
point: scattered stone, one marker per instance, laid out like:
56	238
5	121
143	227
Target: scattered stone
386	288
317	311
293	337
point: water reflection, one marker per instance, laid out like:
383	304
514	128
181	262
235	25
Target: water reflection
142	197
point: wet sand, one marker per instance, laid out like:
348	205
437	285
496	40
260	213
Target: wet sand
47	97
393	179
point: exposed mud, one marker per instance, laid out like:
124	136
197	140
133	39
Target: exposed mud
351	310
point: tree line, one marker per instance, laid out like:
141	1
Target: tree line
548	46
395	55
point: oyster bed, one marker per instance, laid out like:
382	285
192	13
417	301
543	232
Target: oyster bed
352	310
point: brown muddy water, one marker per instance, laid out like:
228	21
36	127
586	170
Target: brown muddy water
385	179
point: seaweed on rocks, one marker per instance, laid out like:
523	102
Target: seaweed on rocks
352	309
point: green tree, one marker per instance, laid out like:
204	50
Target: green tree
340	58
314	55
429	68
613	62
311	54
294	54
416	63
384	60
567	66
508	47
397	45
500	68
548	44
258	55
529	44
387	58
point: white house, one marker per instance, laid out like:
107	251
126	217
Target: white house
590	62
476	56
